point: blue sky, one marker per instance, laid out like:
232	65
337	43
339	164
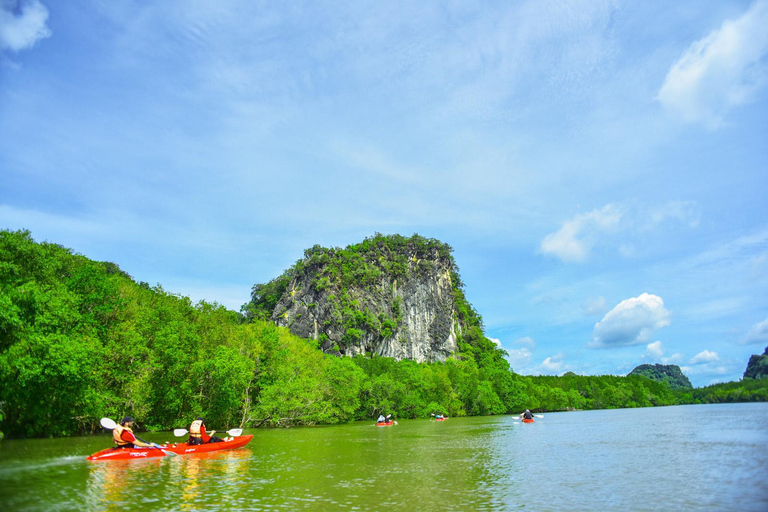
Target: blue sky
599	167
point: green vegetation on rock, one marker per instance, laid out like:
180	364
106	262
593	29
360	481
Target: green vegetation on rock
668	373
757	367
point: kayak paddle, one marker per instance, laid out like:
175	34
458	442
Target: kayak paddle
235	432
109	424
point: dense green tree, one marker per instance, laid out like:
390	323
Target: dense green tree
81	339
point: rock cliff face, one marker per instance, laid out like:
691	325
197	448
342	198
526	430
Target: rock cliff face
757	367
389	295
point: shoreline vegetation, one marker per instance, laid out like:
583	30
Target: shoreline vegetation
80	339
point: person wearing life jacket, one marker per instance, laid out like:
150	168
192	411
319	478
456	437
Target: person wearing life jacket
527	415
124	437
381	419
198	435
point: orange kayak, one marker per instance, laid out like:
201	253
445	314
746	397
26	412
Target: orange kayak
177	449
526	420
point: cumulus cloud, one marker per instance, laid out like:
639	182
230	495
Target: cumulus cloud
654	350
673	359
497	342
631	322
758	333
22	24
519	357
575	239
705	356
552	365
720	71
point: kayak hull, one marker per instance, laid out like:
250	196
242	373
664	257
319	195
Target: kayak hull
385	423
526	420
440	419
178	449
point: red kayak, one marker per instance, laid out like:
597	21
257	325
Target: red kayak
177	449
526	420
385	423
440	419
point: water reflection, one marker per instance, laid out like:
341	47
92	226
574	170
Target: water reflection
115	484
206	481
682	458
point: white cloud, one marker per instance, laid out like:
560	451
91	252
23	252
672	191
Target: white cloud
22	24
705	369
519	357
526	340
758	333
631	322
654	350
720	71
575	239
685	212
552	365
673	359
705	356
497	342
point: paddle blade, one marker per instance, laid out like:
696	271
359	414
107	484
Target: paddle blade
180	432
235	432
169	453
108	423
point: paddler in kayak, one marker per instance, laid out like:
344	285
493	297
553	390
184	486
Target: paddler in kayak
527	415
198	435
124	437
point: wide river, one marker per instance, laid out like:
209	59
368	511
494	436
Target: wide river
698	457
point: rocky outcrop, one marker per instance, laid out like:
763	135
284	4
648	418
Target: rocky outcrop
392	296
670	373
757	367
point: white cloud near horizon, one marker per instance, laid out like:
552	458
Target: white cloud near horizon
552	365
720	71
673	359
22	24
705	356
496	341
519	358
631	322
757	334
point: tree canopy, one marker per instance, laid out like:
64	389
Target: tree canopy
80	339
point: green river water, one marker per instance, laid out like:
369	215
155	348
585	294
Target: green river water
705	457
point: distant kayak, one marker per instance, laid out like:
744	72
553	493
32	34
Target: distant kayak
385	423
526	420
440	419
177	449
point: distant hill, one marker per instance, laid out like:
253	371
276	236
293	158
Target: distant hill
757	367
670	373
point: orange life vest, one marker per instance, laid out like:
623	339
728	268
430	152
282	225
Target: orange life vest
117	435
194	429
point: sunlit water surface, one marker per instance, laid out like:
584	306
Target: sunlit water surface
701	457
